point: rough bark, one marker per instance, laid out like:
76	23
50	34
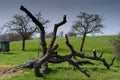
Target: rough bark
42	36
50	54
53	57
43	42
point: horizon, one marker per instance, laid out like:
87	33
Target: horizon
54	10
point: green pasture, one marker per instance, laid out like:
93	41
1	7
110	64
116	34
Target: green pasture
63	71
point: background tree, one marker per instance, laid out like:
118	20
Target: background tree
10	37
116	44
22	24
71	33
48	35
14	37
51	54
87	23
4	37
60	34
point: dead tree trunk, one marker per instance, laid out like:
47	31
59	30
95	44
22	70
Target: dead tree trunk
50	55
42	37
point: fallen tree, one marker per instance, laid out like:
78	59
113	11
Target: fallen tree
51	55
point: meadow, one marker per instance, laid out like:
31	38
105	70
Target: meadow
62	71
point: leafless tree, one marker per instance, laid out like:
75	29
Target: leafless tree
14	37
61	33
51	55
87	23
23	26
4	37
116	44
71	33
10	37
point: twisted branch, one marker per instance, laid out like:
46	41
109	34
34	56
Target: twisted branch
94	57
51	56
41	27
55	31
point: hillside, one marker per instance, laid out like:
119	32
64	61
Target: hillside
100	43
97	71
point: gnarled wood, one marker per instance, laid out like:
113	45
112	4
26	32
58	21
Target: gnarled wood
50	55
42	35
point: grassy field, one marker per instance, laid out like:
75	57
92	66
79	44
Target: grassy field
62	71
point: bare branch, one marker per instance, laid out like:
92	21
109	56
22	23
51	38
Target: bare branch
82	55
100	54
79	68
55	47
50	55
113	58
55	30
32	17
68	43
39	24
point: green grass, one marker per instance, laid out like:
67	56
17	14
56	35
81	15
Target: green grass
63	71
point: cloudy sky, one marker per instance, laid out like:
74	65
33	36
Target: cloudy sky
54	10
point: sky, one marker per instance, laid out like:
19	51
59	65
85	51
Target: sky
53	10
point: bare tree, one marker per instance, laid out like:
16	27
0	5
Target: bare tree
4	37
87	23
71	33
51	55
116	45
10	37
14	37
23	26
48	35
61	33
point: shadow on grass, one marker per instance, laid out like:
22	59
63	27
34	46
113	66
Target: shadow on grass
102	69
57	69
58	73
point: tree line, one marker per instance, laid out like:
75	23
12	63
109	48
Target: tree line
50	53
22	28
86	24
